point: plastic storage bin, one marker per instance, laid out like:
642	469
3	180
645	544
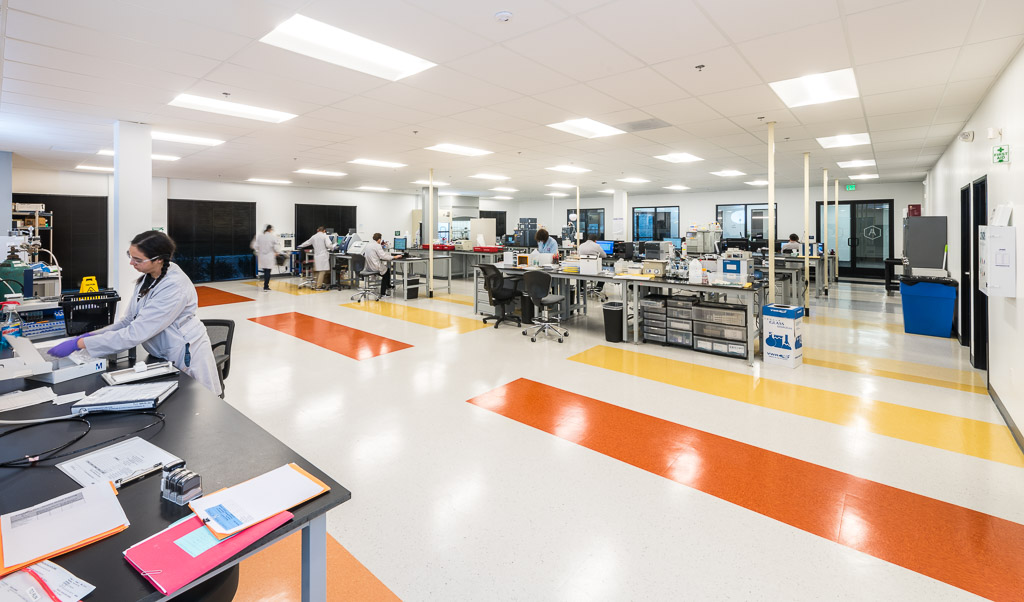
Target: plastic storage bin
928	305
679	337
86	312
720	331
677	312
720	313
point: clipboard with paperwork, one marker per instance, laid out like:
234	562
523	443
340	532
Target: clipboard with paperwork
119	463
123	398
59	525
129	375
234	509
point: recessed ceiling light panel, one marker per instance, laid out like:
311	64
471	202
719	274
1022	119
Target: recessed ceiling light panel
169	137
374	188
607	191
857	163
234	109
556	194
587	128
505	189
568	169
427	183
456	149
817	89
864	176
109	153
489	176
560	185
376	163
677	187
266	181
757	183
728	173
634	180
325	42
501	198
94	168
321	172
844	140
679	158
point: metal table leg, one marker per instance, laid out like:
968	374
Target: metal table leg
314	560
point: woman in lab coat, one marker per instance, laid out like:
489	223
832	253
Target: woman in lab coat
161	316
266	246
321	254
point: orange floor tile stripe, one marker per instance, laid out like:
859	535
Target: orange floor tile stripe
274	574
214	296
356	344
976	552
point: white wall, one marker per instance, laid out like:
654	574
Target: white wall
961	164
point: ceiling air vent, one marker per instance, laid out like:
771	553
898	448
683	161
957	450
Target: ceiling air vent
643	125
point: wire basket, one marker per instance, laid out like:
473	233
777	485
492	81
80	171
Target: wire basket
86	312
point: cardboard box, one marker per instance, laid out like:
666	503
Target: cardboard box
783	335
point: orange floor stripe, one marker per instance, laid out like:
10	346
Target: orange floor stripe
356	344
274	574
214	296
976	552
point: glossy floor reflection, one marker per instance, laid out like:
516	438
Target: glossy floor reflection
665	474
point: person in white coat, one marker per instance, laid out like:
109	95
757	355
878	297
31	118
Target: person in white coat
321	254
378	260
266	246
161	316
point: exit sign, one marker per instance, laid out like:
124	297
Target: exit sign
851	187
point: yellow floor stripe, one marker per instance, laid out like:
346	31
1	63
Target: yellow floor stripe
424	317
961	380
282	286
953	433
844	323
460	299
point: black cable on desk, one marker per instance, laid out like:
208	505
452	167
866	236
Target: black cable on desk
52	454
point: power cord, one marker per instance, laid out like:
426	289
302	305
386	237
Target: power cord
31	460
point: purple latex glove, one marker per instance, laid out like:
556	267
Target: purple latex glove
67	347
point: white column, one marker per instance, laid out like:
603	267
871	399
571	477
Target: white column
824	226
6	193
133	198
807	244
771	212
620	211
836	220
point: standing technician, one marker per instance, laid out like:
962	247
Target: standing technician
321	244
266	246
161	316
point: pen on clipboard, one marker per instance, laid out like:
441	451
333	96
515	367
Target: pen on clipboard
138	475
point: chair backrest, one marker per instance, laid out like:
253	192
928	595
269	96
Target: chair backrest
492	277
538	285
222	333
358	262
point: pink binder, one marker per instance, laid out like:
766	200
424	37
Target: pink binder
167	561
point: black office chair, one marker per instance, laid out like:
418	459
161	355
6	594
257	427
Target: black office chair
538	287
369	280
501	292
222	333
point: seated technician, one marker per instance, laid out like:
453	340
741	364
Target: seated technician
589	247
378	260
546	244
794	244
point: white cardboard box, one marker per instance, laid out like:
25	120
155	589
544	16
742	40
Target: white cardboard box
783	335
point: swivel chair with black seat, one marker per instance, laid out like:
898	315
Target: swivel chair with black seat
368	280
501	292
222	333
538	287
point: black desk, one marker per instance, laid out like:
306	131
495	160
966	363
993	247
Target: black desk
215	440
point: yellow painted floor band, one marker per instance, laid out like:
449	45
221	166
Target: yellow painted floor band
416	315
285	287
960	380
943	431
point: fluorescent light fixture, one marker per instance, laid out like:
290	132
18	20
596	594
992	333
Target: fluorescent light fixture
634	180
857	163
266	181
757	183
427	183
568	169
376	163
588	128
607	191
727	173
109	153
374	188
864	176
325	42
679	158
817	89
169	137
94	168
844	140
505	189
677	187
321	172
489	176
456	149
234	109
560	185
501	198
556	194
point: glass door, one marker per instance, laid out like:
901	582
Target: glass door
865	236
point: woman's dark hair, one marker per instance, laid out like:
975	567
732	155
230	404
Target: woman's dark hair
377	236
321	228
155	246
268	228
542	235
794	238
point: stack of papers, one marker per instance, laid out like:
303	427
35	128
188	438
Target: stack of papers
65	523
126	397
124	461
24	399
39	581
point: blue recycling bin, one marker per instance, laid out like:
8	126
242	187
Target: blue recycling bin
928	305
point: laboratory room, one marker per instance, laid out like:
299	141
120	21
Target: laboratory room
546	300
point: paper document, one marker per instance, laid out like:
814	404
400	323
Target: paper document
24	399
130	458
69	398
59	525
236	508
25	586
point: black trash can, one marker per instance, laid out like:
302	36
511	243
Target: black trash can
412	288
526	309
614	314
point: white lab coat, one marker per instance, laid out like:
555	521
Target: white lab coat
589	247
266	246
376	257
163	322
321	251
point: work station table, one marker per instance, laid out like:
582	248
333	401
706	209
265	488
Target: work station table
401	269
824	277
462	262
217	441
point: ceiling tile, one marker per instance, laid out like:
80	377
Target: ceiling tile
840	110
954	114
785	56
909	28
502	67
685	111
919	71
743	101
533	110
997	19
667	30
743	20
724	69
236	76
478	17
902	120
848	126
903	101
985	59
448	82
420	100
968	92
917	133
582	100
382	109
639	87
558	46
717	127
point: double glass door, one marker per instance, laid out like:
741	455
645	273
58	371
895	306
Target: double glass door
865	235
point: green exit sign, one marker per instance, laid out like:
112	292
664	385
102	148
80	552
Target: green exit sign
851	187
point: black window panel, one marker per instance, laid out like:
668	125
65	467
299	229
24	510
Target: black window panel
213	238
309	217
80	235
591	221
655	223
499	221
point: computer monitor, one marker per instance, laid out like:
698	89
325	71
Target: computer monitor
330	231
677	243
399	243
608	246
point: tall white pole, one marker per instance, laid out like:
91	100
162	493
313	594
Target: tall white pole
837	229
430	239
824	229
771	212
807	213
578	234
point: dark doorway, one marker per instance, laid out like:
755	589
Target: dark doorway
213	238
979	340
310	217
866	236
79	235
966	283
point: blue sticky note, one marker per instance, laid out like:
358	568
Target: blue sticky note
197	542
223	517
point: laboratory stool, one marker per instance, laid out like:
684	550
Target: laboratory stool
369	280
538	287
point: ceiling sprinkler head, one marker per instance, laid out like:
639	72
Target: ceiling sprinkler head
503	16
699	67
